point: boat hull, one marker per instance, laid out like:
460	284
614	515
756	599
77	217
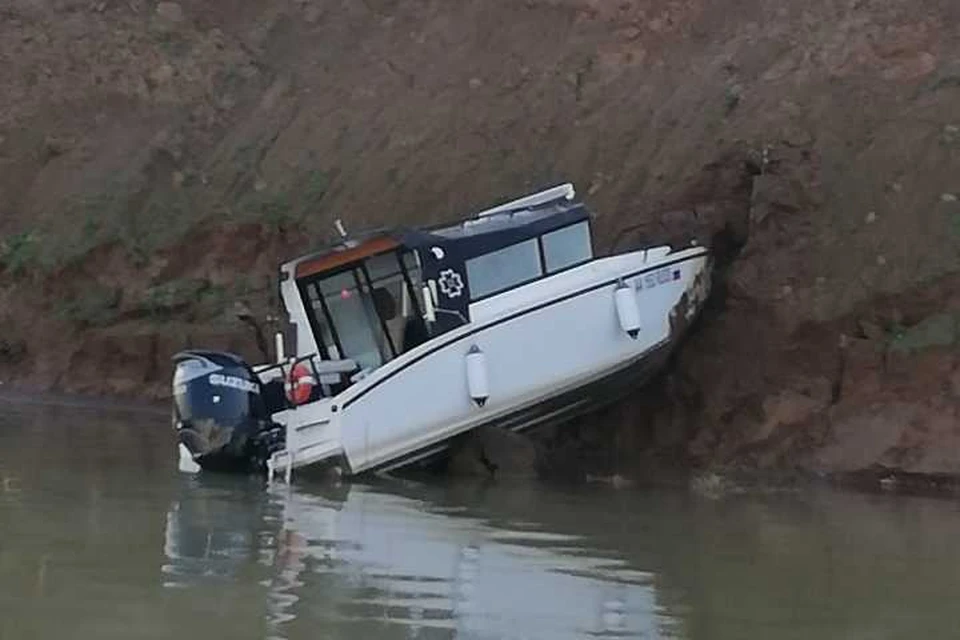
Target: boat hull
578	402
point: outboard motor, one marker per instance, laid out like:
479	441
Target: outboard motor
220	412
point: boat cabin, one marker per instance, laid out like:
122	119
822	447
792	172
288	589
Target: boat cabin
370	300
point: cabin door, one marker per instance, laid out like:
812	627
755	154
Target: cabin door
365	311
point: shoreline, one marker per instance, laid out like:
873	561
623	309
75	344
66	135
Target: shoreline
715	482
26	395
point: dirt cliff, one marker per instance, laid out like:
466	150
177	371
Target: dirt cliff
160	158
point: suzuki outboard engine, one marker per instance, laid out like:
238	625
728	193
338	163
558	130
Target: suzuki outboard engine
221	414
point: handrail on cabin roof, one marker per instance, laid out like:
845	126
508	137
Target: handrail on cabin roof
563	191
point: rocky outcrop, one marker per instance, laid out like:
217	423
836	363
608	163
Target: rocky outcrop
827	403
490	452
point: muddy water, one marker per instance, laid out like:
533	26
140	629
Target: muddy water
100	537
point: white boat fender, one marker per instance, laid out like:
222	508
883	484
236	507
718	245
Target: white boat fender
628	311
477	383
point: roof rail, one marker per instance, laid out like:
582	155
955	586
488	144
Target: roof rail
564	191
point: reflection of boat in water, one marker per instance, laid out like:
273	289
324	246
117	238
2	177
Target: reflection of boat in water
341	563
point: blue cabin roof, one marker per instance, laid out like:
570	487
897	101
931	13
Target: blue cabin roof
482	234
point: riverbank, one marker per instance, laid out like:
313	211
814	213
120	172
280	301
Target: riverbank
160	159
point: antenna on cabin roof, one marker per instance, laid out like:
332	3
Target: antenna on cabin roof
339	225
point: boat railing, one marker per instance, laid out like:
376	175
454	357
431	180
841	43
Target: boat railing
561	192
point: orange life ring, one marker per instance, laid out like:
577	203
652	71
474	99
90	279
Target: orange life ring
300	384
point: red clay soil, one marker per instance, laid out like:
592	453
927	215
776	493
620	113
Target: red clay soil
159	159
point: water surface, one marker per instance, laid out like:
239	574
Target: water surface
101	537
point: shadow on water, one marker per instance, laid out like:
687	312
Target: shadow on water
100	537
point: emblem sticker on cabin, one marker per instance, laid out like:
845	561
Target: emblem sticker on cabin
451	284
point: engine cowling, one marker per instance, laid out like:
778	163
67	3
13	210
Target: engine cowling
220	414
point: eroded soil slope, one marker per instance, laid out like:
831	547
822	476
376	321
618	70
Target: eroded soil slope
159	159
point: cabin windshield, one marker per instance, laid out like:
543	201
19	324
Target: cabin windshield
368	310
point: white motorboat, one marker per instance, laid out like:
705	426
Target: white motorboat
405	339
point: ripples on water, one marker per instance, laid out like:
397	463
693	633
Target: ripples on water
101	538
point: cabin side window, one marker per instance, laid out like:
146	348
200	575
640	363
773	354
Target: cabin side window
503	269
567	247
